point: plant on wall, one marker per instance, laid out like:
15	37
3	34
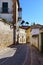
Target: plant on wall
5	21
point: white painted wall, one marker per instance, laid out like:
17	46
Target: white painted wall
34	40
22	33
7	16
35	31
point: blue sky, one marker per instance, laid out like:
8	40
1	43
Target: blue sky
32	11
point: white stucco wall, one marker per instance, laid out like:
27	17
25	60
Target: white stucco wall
6	16
21	31
22	36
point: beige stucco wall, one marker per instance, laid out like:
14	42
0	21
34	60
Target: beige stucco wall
28	33
6	34
40	42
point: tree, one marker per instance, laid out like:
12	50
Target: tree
33	23
27	23
22	22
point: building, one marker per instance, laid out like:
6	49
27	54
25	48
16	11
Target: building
24	34
28	34
21	35
37	36
10	10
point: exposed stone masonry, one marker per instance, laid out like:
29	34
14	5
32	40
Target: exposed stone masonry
6	34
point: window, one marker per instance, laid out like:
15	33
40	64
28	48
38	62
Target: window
4	7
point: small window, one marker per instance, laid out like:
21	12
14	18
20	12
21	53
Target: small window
5	7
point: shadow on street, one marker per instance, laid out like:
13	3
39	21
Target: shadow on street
18	58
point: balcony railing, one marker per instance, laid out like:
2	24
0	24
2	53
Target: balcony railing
7	10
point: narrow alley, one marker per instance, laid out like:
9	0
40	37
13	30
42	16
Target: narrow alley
24	55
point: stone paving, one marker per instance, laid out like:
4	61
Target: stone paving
17	59
7	52
25	55
36	57
33	57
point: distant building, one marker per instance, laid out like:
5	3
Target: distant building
37	36
21	35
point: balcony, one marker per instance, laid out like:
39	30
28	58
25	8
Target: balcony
19	14
5	10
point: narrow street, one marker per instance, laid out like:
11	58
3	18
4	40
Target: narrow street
24	55
18	58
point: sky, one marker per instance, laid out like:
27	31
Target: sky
32	11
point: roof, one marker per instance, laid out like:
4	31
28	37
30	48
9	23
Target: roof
41	27
36	26
24	27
